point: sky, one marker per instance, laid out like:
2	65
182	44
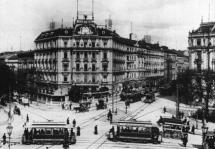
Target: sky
167	21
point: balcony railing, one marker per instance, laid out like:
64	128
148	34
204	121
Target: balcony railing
65	60
105	60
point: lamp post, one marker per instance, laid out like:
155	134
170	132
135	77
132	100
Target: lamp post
9	131
204	132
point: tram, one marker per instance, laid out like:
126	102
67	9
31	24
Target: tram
150	97
172	127
135	131
48	133
209	140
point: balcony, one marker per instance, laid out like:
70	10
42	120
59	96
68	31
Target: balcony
93	60
105	60
85	59
65	60
77	59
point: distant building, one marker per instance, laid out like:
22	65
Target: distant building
170	70
148	38
25	80
182	62
10	59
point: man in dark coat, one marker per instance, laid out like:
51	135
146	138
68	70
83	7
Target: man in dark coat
193	129
4	139
74	123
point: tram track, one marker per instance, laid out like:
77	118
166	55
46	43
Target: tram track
141	109
39	115
49	146
94	143
92	119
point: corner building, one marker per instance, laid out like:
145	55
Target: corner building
201	47
85	55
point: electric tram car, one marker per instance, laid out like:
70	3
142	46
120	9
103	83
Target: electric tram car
149	98
134	131
209	140
48	133
172	127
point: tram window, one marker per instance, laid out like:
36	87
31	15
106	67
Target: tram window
55	131
144	130
48	131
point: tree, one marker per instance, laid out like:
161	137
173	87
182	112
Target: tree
186	88
7	79
75	93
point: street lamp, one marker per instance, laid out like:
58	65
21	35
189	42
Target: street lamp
9	131
204	132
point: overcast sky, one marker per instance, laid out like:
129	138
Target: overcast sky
167	21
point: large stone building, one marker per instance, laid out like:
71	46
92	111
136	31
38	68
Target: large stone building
91	57
201	46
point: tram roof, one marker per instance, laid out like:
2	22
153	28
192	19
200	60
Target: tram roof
210	134
48	125
134	123
172	120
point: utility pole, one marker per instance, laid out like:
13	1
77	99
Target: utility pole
112	95
177	102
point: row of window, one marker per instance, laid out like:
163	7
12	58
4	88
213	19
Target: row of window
72	43
86	68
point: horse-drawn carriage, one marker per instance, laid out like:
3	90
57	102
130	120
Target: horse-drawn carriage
83	106
101	105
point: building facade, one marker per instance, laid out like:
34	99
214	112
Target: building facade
201	47
91	57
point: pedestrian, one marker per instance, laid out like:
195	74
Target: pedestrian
108	115
4	139
164	109
111	117
96	130
72	133
188	123
74	123
78	131
27	118
70	106
185	140
182	114
185	120
63	106
67	121
193	129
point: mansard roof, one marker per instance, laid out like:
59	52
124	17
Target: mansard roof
26	54
70	32
55	32
148	46
125	40
208	27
